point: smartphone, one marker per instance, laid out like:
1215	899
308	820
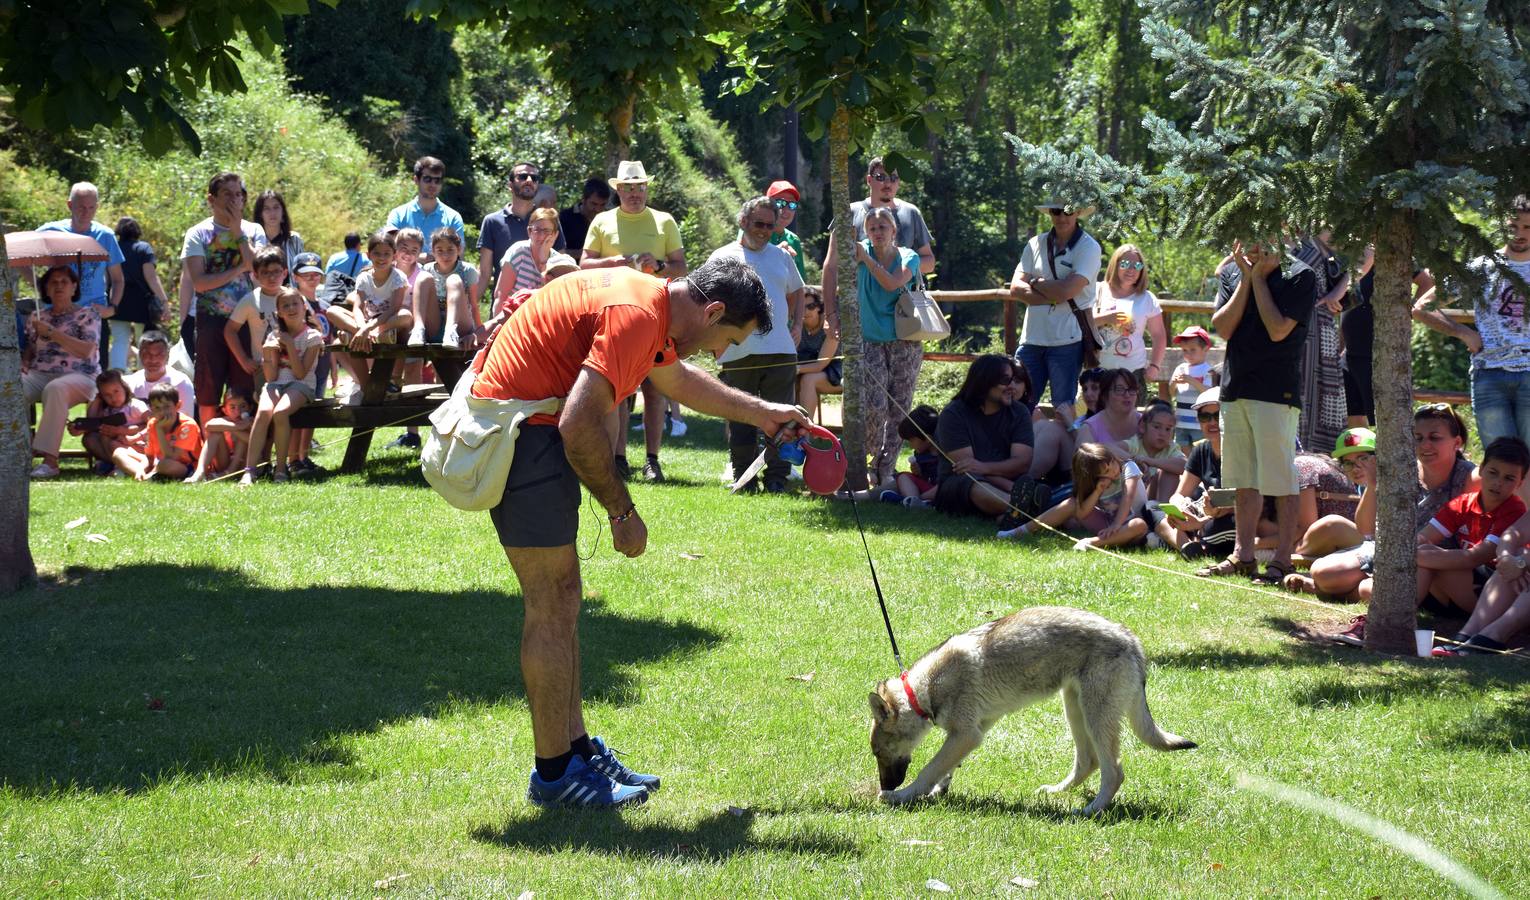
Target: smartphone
1222	496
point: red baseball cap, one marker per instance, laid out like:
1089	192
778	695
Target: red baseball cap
1194	331
781	189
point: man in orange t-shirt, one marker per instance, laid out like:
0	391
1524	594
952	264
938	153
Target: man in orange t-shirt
591	338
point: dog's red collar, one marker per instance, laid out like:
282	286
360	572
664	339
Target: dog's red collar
913	701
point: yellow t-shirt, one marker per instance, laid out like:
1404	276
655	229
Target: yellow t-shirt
616	233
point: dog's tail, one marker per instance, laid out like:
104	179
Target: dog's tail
1147	730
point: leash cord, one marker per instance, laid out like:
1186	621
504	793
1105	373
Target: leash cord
886	620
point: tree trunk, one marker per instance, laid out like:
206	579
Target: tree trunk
843	235
1393	614
619	139
16	566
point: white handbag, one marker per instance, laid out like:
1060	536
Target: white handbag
467	455
918	318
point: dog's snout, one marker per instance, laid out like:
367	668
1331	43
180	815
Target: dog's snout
891	774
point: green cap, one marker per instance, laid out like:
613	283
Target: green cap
1354	440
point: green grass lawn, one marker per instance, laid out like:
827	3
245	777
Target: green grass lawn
312	689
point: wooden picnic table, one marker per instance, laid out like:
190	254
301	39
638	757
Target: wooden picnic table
412	405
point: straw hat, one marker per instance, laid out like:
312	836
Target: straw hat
1083	211
630	171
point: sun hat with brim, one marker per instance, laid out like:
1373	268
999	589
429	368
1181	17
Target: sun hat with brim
1081	211
1208	397
630	171
1193	332
307	262
782	189
1354	440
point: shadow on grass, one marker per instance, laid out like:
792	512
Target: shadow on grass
1061	808
128	676
1504	728
715	838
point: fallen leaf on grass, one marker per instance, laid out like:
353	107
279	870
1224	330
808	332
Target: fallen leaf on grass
1020	881
75	524
382	884
935	884
254	860
97	538
1217	867
915	842
690	556
805	676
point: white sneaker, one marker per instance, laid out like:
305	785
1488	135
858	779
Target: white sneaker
451	338
1010	534
353	397
727	473
677	428
1154	541
417	336
44	470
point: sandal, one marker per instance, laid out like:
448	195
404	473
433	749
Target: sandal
1229	566
1274	573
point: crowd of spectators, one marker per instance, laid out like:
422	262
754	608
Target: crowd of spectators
1257	451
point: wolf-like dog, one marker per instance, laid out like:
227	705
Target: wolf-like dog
970	681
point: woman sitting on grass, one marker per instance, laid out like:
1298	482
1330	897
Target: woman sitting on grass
1107	501
1117	421
288	357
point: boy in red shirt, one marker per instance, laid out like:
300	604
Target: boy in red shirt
1476	519
174	440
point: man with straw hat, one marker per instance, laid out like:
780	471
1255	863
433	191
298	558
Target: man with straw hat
637	236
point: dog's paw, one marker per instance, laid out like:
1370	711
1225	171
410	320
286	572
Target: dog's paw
1057	788
901	797
940	789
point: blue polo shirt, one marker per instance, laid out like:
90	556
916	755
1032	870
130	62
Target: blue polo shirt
348	261
93	278
411	216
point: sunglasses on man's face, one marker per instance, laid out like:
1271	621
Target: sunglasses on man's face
761	223
1138	265
527	176
431	179
885	176
786	204
1059	211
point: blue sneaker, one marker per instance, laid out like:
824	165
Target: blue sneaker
582	786
608	765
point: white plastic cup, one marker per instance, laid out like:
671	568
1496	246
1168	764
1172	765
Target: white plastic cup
1423	639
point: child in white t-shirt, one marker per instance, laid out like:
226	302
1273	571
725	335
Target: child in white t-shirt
257	311
377	310
288	357
1190	379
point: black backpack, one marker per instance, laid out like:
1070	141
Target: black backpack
337	286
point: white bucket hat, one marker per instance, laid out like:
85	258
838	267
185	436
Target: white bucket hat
630	172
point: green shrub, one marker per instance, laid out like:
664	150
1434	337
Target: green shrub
272	136
30	196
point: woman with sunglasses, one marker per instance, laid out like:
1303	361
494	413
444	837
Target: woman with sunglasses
1127	311
890	366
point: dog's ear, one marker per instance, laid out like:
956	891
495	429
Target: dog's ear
880	709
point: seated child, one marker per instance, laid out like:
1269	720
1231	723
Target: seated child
377	309
291	350
916	487
1476	519
1153	450
818	372
1089	382
112	397
1106	501
1503	610
227	438
173	440
1191	378
444	296
306	277
255	314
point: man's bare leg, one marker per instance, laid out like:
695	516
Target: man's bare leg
550	588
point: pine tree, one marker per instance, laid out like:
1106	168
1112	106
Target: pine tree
1399	123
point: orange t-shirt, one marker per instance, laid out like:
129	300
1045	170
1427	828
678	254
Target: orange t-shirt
185	440
616	321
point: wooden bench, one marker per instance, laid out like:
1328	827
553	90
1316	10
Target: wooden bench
412	405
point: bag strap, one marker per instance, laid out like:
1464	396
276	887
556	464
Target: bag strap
354	263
